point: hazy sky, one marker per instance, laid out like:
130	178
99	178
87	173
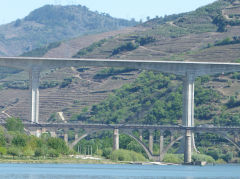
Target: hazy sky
11	10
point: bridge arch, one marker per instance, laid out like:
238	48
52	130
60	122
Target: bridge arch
88	132
225	136
130	134
146	149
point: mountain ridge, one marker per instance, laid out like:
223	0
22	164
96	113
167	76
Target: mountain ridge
54	23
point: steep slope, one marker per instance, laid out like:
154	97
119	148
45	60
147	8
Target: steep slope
54	23
188	36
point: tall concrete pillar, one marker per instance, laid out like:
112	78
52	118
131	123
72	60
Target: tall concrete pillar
34	87
150	142
188	114
115	139
188	147
66	138
161	145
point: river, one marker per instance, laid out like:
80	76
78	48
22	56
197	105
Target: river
93	171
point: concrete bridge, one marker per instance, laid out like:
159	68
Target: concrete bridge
229	133
190	70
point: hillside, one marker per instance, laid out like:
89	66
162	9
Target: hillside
192	36
54	23
120	95
188	37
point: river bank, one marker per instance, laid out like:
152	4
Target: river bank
59	160
80	159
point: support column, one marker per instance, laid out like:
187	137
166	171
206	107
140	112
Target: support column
188	114
236	137
140	134
150	142
66	138
76	136
53	134
115	139
34	87
188	147
38	133
161	143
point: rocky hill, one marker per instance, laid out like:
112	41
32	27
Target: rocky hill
54	23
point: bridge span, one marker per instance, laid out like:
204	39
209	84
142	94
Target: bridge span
176	133
190	70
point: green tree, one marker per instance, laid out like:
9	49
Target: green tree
57	144
3	151
20	140
14	124
13	151
38	152
2	137
53	153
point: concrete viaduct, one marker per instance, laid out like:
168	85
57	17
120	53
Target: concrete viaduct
129	129
190	70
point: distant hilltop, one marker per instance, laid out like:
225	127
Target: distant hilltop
52	23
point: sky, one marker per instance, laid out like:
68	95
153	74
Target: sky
11	10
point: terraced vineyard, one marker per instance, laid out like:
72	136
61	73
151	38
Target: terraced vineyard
185	37
83	91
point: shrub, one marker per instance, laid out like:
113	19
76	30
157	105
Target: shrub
89	49
66	82
129	46
214	153
173	158
57	144
233	102
107	152
13	151
203	157
19	140
134	146
145	40
2	140
14	124
38	152
53	153
28	152
228	156
126	155
3	151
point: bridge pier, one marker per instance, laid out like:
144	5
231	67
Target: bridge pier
66	138
188	147
140	134
115	139
36	132
34	76
53	134
150	143
188	114
161	145
76	136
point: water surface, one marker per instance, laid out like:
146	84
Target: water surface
93	171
